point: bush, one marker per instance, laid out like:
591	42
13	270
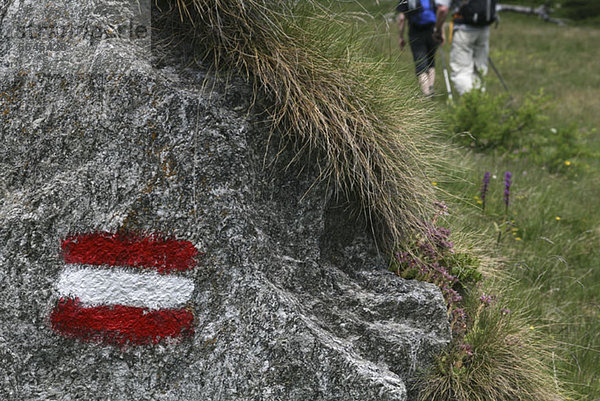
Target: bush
484	121
581	9
517	129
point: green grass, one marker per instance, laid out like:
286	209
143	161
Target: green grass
555	264
551	263
552	267
561	60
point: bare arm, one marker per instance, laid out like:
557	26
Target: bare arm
401	19
440	18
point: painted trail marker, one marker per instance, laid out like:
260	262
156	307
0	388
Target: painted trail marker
125	289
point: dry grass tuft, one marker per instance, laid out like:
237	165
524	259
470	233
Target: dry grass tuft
326	97
502	357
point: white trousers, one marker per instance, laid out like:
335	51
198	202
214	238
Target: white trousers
469	57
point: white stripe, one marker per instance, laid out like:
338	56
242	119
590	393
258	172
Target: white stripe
103	286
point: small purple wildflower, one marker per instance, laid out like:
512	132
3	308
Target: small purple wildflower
460	313
484	188
403	257
452	296
505	311
442	211
507	184
428	250
486	299
458	324
444	273
443	208
467	349
439	236
409	261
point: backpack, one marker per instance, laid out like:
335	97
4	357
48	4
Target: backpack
477	12
421	12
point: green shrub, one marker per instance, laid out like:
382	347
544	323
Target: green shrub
516	129
581	9
484	121
575	10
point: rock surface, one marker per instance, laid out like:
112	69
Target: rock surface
291	300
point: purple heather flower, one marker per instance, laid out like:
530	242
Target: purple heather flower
507	183
486	299
460	313
505	311
467	349
452	296
443	208
484	188
439	237
443	273
403	257
459	323
428	250
409	261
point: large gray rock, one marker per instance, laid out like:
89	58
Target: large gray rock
291	300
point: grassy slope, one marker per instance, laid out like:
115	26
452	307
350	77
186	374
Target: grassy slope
563	61
553	268
556	262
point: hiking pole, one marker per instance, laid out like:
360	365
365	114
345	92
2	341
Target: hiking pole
448	87
498	74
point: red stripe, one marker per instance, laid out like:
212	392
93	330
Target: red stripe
120	324
127	249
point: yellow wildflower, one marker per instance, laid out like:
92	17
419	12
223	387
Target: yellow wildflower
567	163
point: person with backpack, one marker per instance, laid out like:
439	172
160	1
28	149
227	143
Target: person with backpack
470	27
421	15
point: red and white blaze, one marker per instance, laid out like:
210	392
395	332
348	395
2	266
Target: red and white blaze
125	288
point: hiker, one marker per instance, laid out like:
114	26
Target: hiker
470	33
421	17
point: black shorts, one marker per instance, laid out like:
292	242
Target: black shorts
423	47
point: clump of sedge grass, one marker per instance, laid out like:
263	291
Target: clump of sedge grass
501	357
325	98
495	355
